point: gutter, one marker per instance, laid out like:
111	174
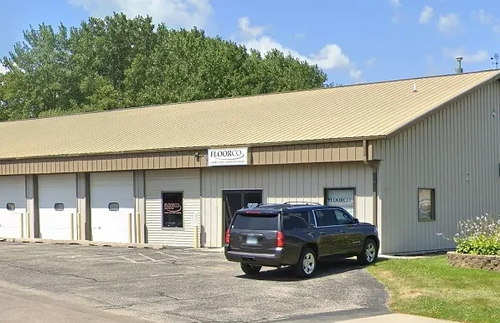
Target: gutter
374	166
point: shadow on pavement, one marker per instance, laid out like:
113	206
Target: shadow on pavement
325	268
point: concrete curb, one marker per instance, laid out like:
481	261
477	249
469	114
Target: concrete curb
84	243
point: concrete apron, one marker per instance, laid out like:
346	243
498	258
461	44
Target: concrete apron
85	243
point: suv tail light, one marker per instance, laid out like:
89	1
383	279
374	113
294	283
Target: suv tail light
228	237
280	239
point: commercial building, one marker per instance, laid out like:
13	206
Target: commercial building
413	156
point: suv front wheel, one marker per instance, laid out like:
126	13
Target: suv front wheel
369	253
306	266
249	269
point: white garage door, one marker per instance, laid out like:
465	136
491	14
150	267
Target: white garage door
57	206
12	207
112	205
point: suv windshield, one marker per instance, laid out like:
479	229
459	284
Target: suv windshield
256	221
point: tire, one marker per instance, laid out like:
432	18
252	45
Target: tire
249	269
369	254
306	266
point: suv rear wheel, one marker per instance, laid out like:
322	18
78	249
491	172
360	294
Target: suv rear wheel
306	266
369	253
249	269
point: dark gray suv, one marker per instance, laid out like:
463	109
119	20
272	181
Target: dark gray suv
297	235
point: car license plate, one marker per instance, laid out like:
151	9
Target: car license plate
251	240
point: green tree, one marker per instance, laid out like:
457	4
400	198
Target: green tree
117	62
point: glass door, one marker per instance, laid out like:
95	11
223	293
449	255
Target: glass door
233	200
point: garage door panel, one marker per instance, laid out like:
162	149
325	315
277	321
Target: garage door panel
110	225
12	207
57	190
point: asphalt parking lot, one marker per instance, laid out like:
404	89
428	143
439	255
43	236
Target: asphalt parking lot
187	285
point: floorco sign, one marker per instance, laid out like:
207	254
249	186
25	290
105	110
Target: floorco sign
227	157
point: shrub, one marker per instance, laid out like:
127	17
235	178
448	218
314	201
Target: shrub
479	236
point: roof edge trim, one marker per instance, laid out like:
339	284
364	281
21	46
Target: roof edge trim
436	109
191	149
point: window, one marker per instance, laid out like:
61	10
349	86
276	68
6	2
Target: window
11	206
172	210
325	218
296	221
341	197
426	204
342	217
255	221
113	206
59	206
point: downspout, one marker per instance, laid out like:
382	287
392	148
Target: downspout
374	166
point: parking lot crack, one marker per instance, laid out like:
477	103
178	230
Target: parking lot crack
55	274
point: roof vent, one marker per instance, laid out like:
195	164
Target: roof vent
414	87
459	69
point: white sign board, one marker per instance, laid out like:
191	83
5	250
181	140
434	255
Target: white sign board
341	197
227	157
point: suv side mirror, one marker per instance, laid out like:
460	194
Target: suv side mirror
355	220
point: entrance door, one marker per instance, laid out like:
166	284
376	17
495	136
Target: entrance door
234	200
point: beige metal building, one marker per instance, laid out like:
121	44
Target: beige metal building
413	156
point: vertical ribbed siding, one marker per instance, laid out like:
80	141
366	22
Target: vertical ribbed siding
281	183
438	153
186	181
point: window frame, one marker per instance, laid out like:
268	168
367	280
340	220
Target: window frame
432	217
109	206
163	227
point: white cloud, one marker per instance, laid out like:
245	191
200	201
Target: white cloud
370	61
3	69
477	57
395	3
488	19
426	15
175	13
244	26
448	22
330	57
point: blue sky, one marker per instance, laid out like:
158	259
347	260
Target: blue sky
353	41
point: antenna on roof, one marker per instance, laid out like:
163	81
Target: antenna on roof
495	57
459	69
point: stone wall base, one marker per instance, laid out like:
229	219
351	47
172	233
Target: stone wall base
491	263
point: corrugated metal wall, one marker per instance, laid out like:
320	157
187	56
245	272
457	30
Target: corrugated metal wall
457	152
281	183
289	154
186	181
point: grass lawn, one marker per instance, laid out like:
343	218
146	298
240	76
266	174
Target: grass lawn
429	287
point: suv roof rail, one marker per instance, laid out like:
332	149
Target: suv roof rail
302	203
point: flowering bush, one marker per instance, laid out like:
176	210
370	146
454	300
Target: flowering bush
479	236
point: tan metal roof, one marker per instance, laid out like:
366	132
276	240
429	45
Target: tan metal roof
365	111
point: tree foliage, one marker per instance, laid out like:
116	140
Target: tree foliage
117	62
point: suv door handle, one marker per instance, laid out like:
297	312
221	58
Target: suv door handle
342	231
322	233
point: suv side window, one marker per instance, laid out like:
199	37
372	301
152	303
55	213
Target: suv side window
325	217
342	217
297	220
